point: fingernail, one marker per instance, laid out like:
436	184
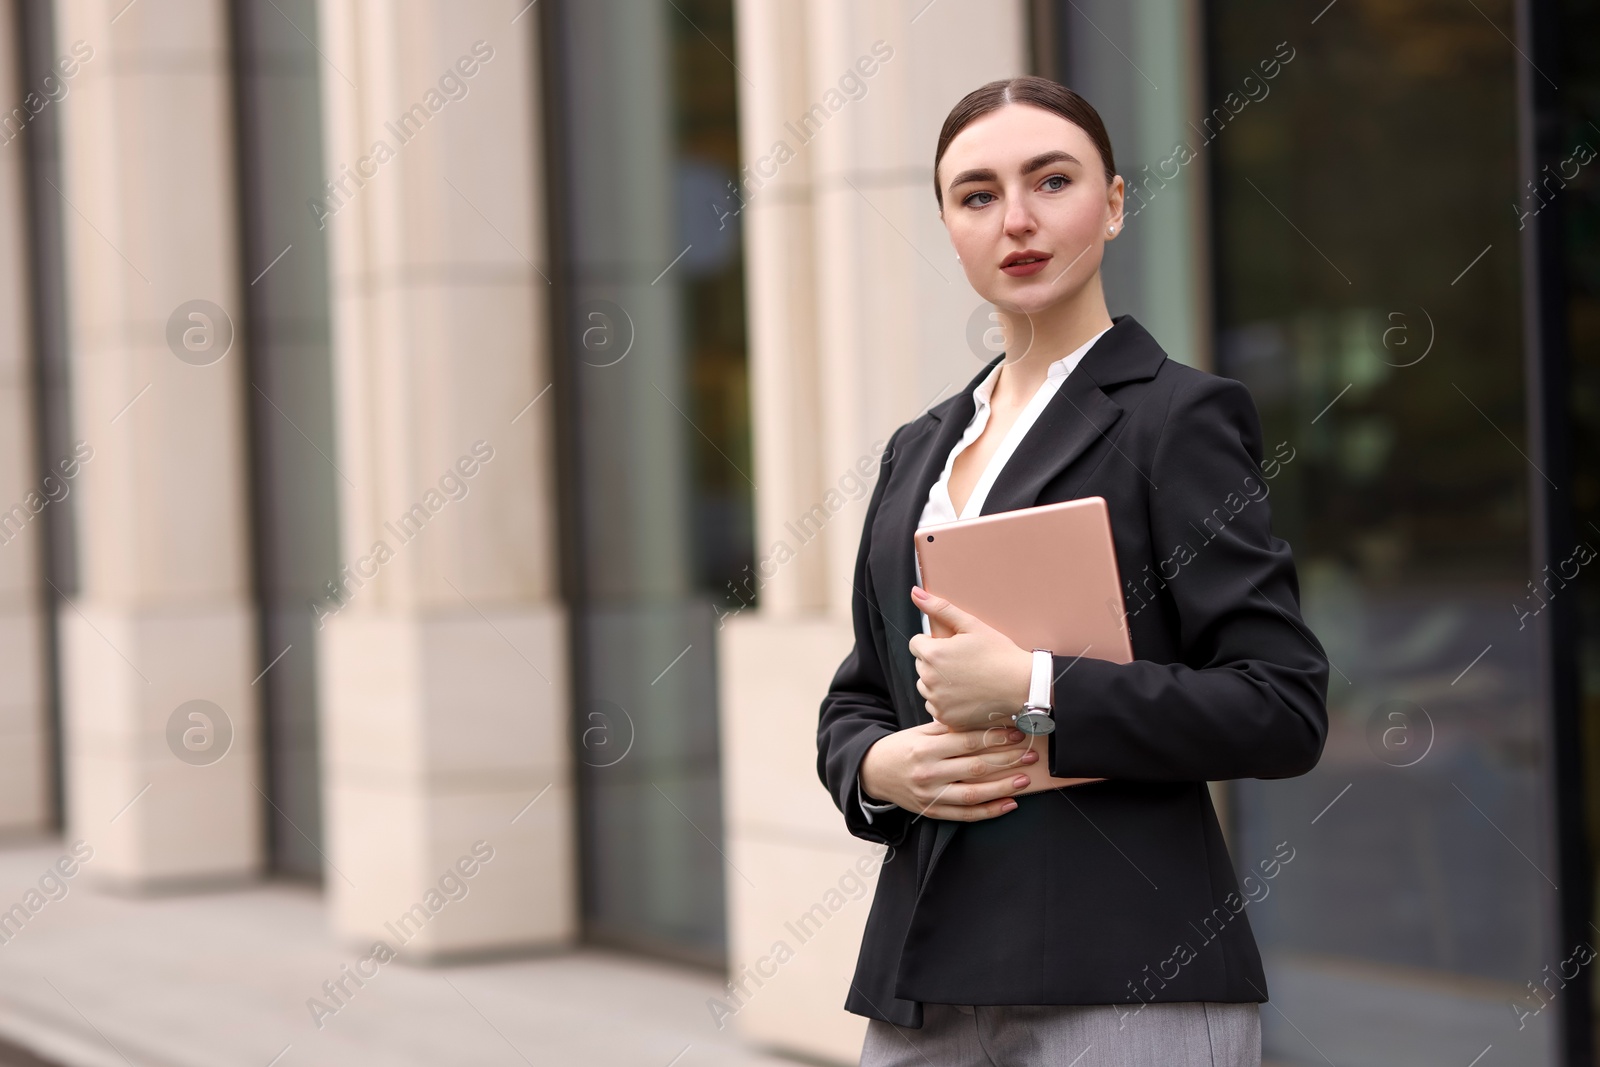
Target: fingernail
1014	735
1009	805
1020	780
918	592
1029	756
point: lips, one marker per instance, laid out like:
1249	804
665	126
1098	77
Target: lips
1028	261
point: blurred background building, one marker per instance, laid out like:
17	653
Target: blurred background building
430	423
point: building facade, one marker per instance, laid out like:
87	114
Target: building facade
440	423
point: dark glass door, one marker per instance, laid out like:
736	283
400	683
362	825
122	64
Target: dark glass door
1561	213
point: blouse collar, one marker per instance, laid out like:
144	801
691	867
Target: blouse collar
1058	369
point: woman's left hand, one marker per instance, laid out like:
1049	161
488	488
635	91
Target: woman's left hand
975	678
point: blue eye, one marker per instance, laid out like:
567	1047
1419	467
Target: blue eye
967	200
1057	178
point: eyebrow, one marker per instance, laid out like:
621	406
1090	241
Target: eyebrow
1043	159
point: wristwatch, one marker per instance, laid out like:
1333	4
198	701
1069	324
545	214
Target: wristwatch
1035	717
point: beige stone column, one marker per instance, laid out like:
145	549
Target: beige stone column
25	756
162	615
445	700
859	318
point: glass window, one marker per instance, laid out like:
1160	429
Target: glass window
286	330
1367	265
53	437
656	447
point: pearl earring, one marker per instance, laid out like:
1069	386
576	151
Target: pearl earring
1111	229
958	257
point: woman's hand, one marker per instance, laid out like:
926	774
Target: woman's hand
974	679
960	775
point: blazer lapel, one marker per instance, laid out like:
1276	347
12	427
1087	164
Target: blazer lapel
1079	413
917	467
1074	418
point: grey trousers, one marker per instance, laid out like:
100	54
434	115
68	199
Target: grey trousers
1191	1034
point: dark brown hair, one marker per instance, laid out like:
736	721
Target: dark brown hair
1028	89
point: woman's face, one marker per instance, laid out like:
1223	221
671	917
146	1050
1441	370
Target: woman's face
1022	183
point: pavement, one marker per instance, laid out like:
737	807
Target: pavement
223	979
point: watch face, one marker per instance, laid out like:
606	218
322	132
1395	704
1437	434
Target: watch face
1035	722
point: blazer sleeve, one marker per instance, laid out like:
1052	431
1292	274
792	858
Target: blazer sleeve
857	710
1247	697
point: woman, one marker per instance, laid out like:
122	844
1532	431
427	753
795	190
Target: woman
1013	927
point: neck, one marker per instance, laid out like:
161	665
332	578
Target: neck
1042	337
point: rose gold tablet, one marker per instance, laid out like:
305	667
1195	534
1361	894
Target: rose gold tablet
1044	576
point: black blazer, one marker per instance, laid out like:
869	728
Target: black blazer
1119	891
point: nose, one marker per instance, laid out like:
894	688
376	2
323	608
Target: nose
1019	220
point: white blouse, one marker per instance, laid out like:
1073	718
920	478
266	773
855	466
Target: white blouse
940	508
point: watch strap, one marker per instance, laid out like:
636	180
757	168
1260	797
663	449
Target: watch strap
1039	683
